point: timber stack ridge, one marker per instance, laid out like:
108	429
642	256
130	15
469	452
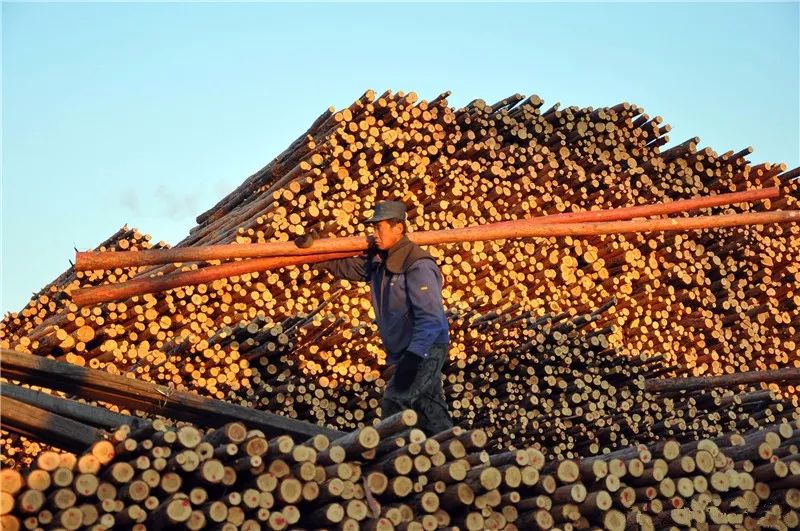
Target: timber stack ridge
639	380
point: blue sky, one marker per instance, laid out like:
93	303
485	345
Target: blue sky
147	114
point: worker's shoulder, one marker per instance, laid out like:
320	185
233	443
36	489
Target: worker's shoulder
422	262
407	255
415	256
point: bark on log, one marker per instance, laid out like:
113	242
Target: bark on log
41	424
667	385
91	415
90	260
98	385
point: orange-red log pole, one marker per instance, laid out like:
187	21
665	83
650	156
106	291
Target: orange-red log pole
89	260
140	286
481	233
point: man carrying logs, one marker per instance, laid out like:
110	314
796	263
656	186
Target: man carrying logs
406	287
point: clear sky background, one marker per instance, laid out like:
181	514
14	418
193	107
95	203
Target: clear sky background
147	114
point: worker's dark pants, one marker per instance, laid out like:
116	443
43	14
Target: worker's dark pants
425	395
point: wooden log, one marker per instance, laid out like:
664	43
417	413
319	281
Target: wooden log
97	385
140	286
89	260
84	413
207	274
62	431
787	375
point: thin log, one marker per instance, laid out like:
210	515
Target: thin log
99	385
343	247
666	385
91	260
91	415
43	425
140	286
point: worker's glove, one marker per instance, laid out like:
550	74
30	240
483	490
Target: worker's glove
306	240
406	370
314	232
372	244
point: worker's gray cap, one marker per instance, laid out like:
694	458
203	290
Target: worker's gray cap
388	210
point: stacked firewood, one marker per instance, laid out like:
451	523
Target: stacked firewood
708	300
391	476
52	325
560	388
295	341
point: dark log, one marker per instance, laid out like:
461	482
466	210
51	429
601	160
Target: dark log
43	425
91	415
667	385
98	385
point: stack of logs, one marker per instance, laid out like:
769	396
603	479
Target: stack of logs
545	380
293	341
52	325
708	300
548	381
392	476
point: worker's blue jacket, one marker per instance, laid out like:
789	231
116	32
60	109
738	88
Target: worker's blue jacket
406	294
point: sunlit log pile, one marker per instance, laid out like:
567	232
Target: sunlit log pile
298	343
162	476
492	162
50	324
563	389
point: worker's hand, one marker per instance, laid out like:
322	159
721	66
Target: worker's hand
406	370
372	245
306	240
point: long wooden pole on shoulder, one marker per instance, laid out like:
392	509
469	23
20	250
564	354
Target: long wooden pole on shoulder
142	286
91	260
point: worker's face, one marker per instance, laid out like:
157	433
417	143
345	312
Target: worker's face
386	235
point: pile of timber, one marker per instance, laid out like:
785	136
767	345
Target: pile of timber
710	301
52	325
732	289
548	382
389	476
544	381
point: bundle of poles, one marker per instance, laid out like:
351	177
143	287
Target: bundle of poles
274	255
